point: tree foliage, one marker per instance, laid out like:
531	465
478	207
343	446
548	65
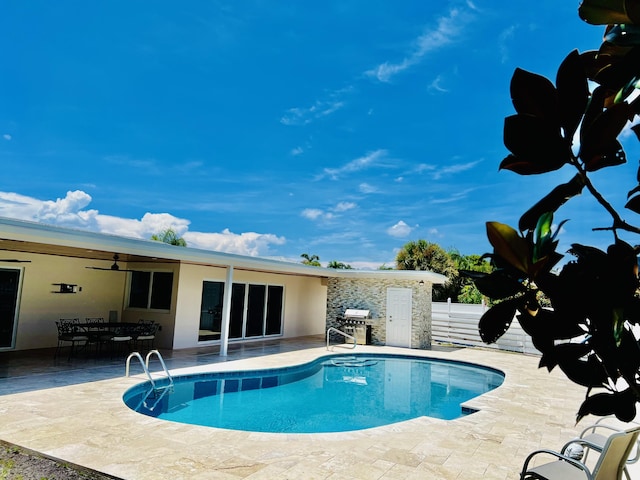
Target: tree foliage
589	331
170	237
313	260
339	265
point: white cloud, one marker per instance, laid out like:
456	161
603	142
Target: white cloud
344	206
70	212
6	136
453	169
323	215
321	108
436	85
312	213
503	40
297	151
399	230
449	28
367	188
361	163
248	243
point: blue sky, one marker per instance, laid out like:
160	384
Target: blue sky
340	128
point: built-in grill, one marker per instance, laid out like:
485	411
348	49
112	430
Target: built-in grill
354	323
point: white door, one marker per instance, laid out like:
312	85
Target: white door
399	317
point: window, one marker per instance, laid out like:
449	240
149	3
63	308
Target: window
151	290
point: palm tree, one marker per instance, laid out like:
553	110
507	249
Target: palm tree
169	236
339	265
313	260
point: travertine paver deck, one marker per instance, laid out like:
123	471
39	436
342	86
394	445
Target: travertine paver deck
88	424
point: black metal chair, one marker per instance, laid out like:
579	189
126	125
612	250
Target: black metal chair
69	332
145	333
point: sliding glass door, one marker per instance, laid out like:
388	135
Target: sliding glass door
9	287
256	310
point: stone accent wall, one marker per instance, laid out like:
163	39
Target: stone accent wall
371	294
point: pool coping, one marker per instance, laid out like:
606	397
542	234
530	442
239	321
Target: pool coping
531	409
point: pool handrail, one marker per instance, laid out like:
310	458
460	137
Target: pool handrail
346	335
145	366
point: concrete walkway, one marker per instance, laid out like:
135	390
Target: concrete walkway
78	415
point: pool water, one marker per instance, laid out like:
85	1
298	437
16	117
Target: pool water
331	394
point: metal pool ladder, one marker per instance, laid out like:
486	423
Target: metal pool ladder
345	335
145	366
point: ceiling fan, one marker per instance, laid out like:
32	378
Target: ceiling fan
115	267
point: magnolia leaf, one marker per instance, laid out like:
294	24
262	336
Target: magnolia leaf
599	145
634	204
607	12
509	245
551	202
588	373
496	321
621	404
634	190
622	34
617	66
534	142
498	285
605	156
533	94
573	92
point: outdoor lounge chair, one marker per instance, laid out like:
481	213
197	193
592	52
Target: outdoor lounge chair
596	435
609	466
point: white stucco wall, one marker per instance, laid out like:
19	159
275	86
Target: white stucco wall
304	301
39	308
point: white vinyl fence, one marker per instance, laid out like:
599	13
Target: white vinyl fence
457	323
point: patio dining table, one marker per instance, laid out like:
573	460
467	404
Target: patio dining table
109	333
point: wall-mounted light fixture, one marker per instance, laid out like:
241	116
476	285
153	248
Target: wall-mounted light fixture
421	283
67	288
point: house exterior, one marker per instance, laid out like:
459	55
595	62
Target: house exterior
198	297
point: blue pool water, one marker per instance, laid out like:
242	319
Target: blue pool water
331	394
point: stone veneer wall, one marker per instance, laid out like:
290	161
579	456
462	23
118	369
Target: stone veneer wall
371	294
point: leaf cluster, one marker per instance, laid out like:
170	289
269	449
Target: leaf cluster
589	330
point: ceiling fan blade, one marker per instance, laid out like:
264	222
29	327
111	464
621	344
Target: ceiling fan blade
14	260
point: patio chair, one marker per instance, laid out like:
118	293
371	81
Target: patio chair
596	435
145	332
120	339
98	332
68	332
609	466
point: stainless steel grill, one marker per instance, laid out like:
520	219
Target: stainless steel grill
354	322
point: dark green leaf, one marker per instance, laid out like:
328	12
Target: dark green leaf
635	190
621	404
634	204
588	373
535	95
618	65
496	321
606	12
548	324
509	245
604	156
573	92
498	285
536	144
551	202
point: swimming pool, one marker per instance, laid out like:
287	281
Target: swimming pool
331	394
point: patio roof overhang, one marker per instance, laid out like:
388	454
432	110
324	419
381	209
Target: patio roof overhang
32	237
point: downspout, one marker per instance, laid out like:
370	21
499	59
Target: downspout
226	312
